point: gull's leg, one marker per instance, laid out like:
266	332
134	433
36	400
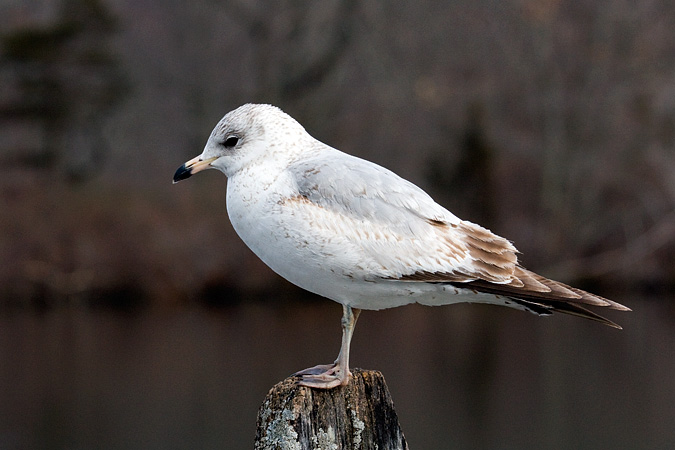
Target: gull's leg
327	376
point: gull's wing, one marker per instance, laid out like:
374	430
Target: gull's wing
402	234
398	230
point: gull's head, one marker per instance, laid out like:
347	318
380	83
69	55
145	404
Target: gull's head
244	135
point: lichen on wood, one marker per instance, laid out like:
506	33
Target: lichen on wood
359	416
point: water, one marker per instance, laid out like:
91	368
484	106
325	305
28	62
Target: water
461	376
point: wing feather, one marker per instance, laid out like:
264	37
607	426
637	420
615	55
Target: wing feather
400	233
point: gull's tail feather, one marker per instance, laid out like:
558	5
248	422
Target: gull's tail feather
544	296
545	308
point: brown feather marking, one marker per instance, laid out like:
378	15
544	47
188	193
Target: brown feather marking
495	257
516	283
455	249
495	260
297	199
557	288
607	302
437	223
479	232
491	272
559	292
486	237
434	277
528	282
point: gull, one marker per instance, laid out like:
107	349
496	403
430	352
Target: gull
354	232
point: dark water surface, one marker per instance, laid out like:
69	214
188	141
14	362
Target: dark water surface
461	376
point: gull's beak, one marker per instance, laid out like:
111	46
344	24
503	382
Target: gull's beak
192	167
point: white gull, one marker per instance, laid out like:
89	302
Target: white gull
355	232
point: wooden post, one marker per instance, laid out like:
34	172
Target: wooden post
359	416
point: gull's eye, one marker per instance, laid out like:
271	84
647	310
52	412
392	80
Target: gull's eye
231	141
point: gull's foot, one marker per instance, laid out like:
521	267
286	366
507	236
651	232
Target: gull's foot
324	376
316	370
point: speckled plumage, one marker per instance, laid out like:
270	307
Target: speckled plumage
352	231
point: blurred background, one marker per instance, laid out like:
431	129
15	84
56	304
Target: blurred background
131	315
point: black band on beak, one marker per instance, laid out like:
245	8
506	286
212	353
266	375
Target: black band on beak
182	173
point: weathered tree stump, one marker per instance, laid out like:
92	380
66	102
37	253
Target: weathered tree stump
359	416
